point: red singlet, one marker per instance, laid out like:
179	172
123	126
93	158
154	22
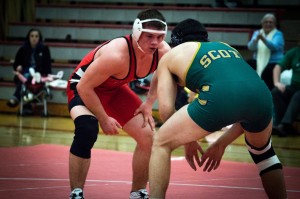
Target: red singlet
118	100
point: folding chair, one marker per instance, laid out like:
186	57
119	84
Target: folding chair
35	94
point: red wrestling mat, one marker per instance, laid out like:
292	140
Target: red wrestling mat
41	171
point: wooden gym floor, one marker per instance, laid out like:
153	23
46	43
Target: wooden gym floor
33	130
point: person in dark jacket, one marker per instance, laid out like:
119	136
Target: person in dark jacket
32	54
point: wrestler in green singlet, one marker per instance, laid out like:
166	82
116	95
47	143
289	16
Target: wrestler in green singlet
226	84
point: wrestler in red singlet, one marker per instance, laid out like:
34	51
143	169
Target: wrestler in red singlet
112	90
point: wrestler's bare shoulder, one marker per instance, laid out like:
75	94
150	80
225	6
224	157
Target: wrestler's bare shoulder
180	57
182	52
186	48
116	48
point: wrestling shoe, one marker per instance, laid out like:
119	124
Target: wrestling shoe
140	194
77	193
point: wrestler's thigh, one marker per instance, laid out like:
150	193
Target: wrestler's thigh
179	129
79	110
259	139
134	127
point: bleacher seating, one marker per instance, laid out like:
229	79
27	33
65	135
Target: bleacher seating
6	71
193	2
65	52
173	14
97	33
72	28
212	3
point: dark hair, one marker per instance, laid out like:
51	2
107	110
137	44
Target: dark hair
152	14
27	39
188	30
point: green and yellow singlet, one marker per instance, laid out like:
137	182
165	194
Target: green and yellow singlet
229	90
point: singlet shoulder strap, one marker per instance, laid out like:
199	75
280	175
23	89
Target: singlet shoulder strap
132	58
154	62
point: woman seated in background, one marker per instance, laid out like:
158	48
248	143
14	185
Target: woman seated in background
32	54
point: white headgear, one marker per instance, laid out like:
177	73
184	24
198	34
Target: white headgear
137	28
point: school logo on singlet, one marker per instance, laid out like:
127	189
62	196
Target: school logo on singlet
216	50
213	55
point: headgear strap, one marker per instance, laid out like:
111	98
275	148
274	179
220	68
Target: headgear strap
137	28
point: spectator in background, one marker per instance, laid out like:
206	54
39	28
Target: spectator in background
268	46
32	54
286	98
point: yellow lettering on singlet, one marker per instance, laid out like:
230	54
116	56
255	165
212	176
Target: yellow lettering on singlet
205	61
202	102
224	53
205	88
212	55
235	53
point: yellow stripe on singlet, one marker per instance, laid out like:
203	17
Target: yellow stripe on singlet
191	61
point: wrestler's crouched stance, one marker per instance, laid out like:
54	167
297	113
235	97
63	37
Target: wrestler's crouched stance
86	133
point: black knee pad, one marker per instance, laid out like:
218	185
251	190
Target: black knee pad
86	133
264	158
